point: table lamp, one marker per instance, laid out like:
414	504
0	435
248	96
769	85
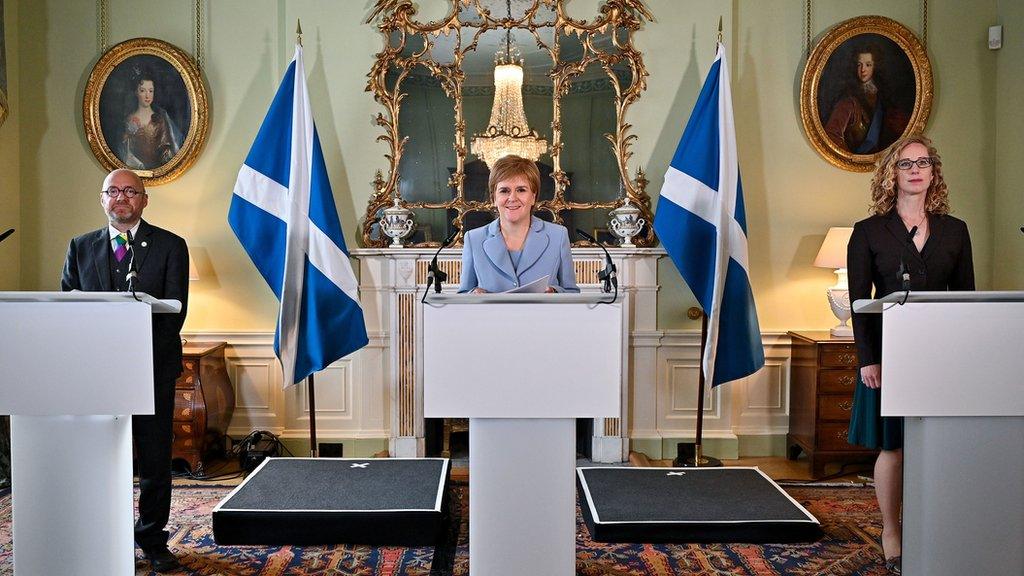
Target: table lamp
833	255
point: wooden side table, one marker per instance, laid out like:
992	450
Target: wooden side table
824	375
203	403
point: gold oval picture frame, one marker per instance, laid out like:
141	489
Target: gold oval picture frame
146	109
867	83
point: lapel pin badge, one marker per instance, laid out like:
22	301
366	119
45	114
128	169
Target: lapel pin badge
144	244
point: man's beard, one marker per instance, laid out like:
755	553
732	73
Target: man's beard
125	219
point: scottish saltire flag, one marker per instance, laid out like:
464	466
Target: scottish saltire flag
283	213
702	224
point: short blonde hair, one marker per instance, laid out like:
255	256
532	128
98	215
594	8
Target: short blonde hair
511	166
883	185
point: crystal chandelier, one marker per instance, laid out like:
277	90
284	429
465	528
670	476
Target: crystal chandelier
508	132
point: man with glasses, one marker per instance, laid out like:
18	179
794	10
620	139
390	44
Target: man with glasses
100	262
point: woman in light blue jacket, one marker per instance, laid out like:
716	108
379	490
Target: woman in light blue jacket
517	248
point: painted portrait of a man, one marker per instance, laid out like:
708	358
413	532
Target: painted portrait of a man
867	83
866	94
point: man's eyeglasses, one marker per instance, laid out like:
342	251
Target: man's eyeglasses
906	163
127	191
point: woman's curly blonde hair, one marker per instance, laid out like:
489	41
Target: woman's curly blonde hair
883	185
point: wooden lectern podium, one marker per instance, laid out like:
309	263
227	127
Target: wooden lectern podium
952	365
522	367
77	365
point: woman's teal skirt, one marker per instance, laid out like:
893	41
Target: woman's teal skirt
868	427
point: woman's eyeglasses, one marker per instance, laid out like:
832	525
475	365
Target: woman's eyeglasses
906	163
127	191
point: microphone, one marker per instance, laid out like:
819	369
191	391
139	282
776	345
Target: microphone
435	276
607	276
904	272
133	275
6	234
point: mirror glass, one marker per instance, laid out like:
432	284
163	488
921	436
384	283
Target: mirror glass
442	71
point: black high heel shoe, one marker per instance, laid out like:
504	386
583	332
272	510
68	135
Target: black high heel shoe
894	565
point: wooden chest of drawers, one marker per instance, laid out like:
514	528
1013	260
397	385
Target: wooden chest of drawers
203	403
824	374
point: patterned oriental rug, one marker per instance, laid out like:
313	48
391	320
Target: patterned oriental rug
849	517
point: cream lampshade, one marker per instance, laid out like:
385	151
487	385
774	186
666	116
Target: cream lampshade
833	255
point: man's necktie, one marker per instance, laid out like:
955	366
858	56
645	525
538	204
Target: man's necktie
121	250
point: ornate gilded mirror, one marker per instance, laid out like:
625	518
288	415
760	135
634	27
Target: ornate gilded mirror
496	75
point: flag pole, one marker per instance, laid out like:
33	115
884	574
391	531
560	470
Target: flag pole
311	390
699	459
310	387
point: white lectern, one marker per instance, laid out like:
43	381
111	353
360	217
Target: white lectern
77	365
952	365
522	367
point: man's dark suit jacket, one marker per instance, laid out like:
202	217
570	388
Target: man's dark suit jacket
161	259
879	246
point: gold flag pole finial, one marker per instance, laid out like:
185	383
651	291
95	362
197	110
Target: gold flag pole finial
719	29
298	31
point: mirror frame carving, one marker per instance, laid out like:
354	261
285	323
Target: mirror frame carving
399	16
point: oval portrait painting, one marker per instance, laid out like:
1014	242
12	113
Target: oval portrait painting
867	83
145	110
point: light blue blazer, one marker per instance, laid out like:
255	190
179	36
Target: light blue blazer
486	262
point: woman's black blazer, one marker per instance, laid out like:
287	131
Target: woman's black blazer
880	249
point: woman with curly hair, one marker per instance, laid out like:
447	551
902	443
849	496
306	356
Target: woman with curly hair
150	137
910	243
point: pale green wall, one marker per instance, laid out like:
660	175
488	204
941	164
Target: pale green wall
10	212
1008	268
792	195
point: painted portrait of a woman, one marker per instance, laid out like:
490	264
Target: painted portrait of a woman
144	110
150	137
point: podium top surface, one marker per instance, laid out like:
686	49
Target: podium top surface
505	298
158	306
868	306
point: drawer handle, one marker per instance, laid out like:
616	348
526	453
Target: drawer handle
847	380
847	358
841	435
845	406
188	365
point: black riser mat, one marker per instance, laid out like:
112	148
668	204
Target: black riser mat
306	501
411	529
697	509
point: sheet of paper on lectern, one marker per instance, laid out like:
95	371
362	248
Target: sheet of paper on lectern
536	287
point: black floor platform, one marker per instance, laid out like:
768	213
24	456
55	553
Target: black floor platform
399	502
680	505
